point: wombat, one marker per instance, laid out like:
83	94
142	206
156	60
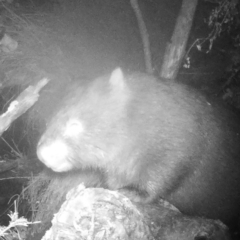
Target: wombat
158	137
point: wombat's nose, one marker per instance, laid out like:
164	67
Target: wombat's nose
54	155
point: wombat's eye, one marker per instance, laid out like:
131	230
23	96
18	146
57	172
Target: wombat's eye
73	128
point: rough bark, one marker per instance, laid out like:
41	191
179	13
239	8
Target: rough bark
96	213
21	104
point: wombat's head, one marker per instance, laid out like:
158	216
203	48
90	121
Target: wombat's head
89	128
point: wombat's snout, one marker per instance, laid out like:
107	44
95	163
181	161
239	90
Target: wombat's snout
54	155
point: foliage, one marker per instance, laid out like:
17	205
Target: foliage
224	19
17	227
224	25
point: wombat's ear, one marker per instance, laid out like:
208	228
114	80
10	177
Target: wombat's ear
117	80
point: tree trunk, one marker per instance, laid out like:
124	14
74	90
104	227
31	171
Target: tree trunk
144	36
176	49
